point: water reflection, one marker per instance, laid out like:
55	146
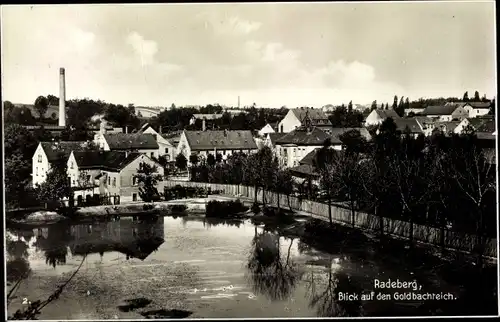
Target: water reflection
136	239
272	272
323	295
54	241
17	258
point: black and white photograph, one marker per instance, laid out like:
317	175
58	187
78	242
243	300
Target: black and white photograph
250	160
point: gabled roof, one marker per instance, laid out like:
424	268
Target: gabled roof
385	114
448	126
220	140
131	141
314	114
310	158
304	171
483	105
207	116
476	122
440	109
56	150
274	136
302	136
104	160
410	123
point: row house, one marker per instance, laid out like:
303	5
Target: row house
128	142
299	116
446	113
474	109
224	142
107	173
48	153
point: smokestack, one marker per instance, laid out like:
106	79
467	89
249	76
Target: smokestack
203	125
238	102
62	97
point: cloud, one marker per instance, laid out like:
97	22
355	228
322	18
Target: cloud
223	25
144	49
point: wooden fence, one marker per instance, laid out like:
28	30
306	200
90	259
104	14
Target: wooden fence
422	233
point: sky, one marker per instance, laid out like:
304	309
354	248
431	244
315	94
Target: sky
270	54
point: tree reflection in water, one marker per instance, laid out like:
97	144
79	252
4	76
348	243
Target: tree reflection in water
17	264
271	272
55	246
325	299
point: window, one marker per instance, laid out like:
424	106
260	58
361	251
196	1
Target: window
71	165
134	181
109	181
134	197
114	182
36	173
166	150
152	154
39	158
88	178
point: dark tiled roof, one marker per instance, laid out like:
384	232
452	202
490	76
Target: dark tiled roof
480	104
221	140
274	136
476	122
310	158
304	170
447	126
440	109
56	150
410	123
301	136
131	141
385	114
487	126
104	160
314	114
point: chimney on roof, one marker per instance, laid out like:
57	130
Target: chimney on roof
203	125
62	97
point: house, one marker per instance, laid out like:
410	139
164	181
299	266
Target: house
147	112
131	142
165	146
293	146
409	124
446	112
306	168
48	153
266	130
476	109
212	142
109	173
296	118
414	111
208	117
376	117
271	138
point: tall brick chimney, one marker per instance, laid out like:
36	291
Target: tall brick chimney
62	97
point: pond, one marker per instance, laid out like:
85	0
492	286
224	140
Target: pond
198	268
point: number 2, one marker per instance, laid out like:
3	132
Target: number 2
25	301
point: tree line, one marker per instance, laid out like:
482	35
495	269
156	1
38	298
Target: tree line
439	181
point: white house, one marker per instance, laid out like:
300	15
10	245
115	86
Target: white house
266	130
293	146
446	113
147	112
296	118
414	110
377	116
165	146
213	142
476	109
107	173
49	152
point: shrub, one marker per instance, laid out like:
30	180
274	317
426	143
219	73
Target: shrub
255	208
178	208
224	209
147	207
